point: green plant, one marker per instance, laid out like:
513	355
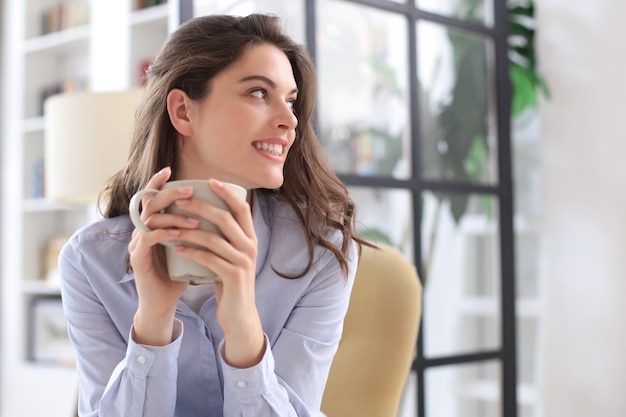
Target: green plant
455	130
461	141
525	78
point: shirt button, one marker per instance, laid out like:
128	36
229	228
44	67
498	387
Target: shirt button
241	384
141	359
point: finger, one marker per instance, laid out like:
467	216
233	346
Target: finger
216	244
163	220
142	243
155	182
239	206
226	223
157	202
231	267
229	261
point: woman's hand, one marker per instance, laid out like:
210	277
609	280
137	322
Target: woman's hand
233	259
158	294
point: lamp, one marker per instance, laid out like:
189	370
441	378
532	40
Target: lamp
87	140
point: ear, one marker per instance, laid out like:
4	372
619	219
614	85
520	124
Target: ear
179	109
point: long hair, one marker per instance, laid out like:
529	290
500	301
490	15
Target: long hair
191	57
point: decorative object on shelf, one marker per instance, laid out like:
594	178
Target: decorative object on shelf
64	15
49	340
87	138
38	178
142	4
52	251
70	85
144	66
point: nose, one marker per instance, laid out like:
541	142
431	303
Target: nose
285	118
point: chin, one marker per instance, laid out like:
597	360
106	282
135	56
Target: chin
273	186
271	183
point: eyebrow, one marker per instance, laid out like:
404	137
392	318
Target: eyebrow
265	80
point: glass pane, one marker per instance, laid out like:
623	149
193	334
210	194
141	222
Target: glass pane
291	12
385	216
458	119
408	404
527	342
469	390
472	10
526	143
362	66
461	270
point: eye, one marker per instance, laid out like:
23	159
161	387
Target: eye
260	93
291	103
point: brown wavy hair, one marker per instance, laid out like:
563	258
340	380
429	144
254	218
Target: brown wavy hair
191	57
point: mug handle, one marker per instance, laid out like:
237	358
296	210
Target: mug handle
133	209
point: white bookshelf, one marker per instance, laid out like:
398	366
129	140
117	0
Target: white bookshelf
103	54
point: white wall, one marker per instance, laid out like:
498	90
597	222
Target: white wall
582	52
1	202
1	193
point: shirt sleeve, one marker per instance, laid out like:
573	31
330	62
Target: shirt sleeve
243	386
116	376
291	377
144	382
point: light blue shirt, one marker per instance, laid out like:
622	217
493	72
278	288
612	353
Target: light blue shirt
302	320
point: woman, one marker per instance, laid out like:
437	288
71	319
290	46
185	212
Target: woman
228	99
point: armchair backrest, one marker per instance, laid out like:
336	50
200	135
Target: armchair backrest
374	357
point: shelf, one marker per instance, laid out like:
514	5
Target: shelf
57	40
149	15
485	390
490	307
39	357
41	205
41	287
489	390
480	225
34	124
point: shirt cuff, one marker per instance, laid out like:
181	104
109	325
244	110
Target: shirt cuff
154	361
247	382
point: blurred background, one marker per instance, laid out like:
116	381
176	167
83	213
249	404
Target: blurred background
481	137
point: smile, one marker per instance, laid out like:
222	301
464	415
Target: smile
272	148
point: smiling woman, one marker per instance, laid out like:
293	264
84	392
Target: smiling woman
260	89
228	99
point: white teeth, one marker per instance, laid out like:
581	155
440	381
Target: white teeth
273	148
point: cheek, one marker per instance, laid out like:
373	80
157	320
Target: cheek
292	143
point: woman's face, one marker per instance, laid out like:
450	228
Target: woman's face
241	132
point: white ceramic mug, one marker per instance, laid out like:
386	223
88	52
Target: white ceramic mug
179	267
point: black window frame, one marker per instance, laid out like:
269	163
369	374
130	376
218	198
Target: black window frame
503	190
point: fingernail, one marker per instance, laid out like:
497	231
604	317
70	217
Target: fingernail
217	182
162	171
173	232
185	190
191	221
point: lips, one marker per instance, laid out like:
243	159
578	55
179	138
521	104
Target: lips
271	148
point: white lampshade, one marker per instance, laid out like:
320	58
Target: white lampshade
87	140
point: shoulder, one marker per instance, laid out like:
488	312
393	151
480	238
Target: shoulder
273	206
284	215
105	241
116	229
289	242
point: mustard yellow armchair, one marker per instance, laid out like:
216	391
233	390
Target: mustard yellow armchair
373	361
